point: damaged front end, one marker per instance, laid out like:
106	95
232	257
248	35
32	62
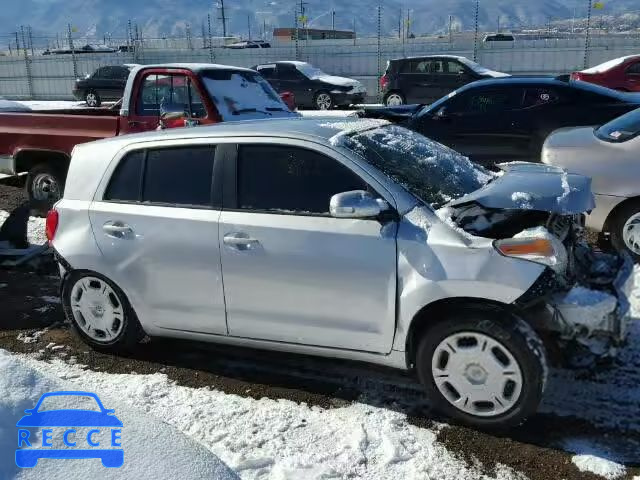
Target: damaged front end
581	300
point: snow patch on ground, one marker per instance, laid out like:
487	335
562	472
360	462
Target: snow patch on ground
600	466
146	439
35	228
279	439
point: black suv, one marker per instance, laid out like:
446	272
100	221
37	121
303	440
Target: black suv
426	79
311	86
106	83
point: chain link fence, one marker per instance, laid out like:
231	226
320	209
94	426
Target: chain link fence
30	75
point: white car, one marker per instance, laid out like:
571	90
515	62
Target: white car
350	239
610	155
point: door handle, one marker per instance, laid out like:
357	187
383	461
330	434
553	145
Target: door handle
237	239
116	229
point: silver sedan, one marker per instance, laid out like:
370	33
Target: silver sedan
610	156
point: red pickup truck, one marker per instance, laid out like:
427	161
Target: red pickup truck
156	96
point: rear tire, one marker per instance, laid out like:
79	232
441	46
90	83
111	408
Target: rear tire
624	228
92	98
45	186
393	99
109	313
485	369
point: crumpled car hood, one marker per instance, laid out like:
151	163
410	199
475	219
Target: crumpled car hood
533	186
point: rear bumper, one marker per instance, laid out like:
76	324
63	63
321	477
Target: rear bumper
78	94
7	165
348	98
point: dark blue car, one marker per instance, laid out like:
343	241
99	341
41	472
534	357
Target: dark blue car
69	417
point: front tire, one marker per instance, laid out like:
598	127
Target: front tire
93	99
100	313
323	101
484	369
624	228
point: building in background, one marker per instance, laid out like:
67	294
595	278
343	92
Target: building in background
289	34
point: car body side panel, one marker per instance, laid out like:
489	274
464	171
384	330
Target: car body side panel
454	265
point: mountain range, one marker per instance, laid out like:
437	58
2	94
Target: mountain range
158	18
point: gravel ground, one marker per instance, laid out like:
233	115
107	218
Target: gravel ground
31	319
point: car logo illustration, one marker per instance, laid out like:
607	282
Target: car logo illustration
106	428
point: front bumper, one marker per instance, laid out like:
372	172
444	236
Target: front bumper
597	316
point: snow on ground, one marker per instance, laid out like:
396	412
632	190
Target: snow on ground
152	448
52	104
35	228
591	457
267	439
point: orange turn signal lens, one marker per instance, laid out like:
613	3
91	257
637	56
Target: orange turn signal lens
515	248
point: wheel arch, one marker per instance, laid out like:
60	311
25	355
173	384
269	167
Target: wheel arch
28	158
439	311
606	226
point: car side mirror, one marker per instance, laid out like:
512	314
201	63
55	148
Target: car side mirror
356	204
172	116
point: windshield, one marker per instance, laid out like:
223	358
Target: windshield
430	171
309	70
236	92
621	129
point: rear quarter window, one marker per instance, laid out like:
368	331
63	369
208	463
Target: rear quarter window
124	185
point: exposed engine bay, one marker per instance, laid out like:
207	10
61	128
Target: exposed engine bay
581	300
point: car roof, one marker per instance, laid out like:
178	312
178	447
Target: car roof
421	57
319	129
194	67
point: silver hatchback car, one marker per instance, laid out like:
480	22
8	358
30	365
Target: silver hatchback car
353	239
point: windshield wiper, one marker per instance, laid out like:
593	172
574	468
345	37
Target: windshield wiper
275	109
250	110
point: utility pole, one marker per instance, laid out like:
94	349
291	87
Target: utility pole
333	24
210	39
354	31
204	36
400	24
17	44
188	33
223	18
475	37
587	38
30	33
57	40
249	25
451	28
408	31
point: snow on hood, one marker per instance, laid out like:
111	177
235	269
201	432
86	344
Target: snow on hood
534	186
606	66
10	106
339	81
314	73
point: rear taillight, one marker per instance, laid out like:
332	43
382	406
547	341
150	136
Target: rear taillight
52	224
384	81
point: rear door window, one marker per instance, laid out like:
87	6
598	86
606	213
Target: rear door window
535	97
488	101
180	176
286	179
